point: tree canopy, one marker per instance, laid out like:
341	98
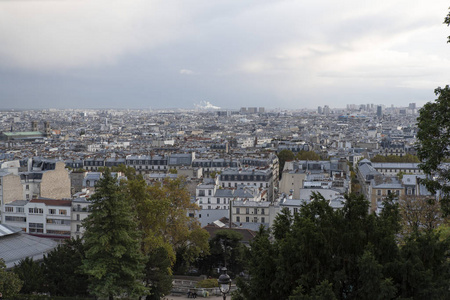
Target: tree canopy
114	262
321	253
433	145
284	156
10	283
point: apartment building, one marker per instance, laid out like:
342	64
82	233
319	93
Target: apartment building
245	211
146	164
80	211
44	179
251	177
41	217
210	195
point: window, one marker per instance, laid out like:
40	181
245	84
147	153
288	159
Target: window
263	212
36	210
378	192
255	211
238	219
78	228
247	219
295	210
52	211
36	227
263	220
78	217
15	219
218	200
27	187
238	210
209	192
63	212
9	209
58	222
20	209
27	196
247	210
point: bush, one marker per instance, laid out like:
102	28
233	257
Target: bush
208	283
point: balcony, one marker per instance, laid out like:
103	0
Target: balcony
80	209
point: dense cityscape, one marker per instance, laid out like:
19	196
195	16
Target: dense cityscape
240	171
246	150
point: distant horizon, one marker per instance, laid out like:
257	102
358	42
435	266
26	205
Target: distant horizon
189	109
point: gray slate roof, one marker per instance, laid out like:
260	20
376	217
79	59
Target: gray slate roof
16	245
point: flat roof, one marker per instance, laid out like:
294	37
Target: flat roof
22	133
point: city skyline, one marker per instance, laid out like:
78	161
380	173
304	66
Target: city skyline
173	54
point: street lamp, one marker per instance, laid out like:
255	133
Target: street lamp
224	283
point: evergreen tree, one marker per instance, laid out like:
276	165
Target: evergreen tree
114	261
30	272
158	275
261	261
282	224
62	270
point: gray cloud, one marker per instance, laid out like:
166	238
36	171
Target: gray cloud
272	53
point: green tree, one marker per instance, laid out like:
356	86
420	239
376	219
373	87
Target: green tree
433	144
30	272
158	274
284	156
319	253
62	270
10	284
323	291
226	247
307	155
372	285
282	223
162	216
114	261
262	275
424	268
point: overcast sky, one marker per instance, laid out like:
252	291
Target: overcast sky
276	54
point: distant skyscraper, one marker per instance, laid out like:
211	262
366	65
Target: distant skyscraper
379	111
252	110
319	110
262	110
412	106
326	110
